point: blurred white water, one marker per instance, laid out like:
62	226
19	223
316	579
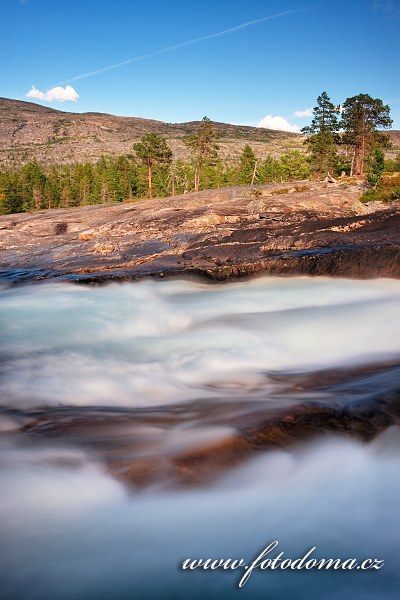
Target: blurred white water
72	532
152	343
68	531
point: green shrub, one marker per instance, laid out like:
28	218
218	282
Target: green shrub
396	193
369	196
386	190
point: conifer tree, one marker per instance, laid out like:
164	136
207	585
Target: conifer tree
376	166
323	135
32	182
152	150
294	166
10	198
248	162
270	170
324	116
204	147
361	118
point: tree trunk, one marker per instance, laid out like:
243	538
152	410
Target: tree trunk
104	192
173	179
360	150
359	154
37	196
150	181
352	165
362	156
197	177
254	173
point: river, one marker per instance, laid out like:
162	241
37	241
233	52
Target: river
130	424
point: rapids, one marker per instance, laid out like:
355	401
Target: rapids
97	379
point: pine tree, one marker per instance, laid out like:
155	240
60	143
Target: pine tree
10	198
32	181
376	166
324	136
361	118
50	194
84	175
247	165
270	170
294	166
204	147
152	150
325	116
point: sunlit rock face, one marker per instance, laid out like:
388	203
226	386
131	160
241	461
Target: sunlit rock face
301	228
146	423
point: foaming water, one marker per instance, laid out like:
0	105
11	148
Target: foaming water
96	379
151	343
71	532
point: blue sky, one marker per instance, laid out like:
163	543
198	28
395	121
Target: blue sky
269	61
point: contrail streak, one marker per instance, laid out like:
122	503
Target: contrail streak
182	44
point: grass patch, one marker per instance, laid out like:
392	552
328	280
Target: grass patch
387	190
281	191
291	190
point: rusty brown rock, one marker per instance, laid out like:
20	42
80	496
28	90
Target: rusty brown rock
122	439
305	228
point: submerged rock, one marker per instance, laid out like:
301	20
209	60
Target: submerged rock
195	442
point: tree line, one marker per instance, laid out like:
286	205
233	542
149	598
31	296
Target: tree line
351	134
115	179
339	139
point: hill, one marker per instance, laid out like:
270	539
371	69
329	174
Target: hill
29	130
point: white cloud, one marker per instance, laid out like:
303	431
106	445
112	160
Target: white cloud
304	113
278	123
60	94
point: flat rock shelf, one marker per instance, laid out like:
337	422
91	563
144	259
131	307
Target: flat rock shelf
313	228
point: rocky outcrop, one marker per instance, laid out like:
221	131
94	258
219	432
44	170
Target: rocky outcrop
314	228
195	442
